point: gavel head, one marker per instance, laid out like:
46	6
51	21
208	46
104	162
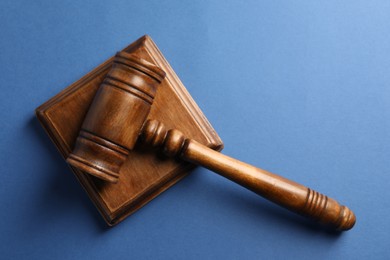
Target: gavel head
116	116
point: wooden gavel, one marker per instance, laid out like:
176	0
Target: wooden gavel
117	117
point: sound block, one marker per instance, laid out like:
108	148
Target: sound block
146	173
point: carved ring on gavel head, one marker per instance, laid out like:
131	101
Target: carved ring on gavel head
126	95
117	117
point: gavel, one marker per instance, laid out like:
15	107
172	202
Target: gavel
117	120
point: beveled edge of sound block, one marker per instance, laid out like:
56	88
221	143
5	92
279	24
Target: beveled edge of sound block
114	217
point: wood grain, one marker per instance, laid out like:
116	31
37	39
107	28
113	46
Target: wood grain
123	99
275	188
144	174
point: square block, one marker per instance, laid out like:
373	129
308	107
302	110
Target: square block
145	174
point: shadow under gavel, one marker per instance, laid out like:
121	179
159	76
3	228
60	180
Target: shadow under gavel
117	117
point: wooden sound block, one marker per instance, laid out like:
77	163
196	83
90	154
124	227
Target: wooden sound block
146	173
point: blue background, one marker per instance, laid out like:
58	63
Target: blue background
300	88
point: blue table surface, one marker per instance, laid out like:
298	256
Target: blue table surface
300	88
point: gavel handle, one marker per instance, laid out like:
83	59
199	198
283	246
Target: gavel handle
277	189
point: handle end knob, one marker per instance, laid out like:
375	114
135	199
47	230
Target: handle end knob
347	219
